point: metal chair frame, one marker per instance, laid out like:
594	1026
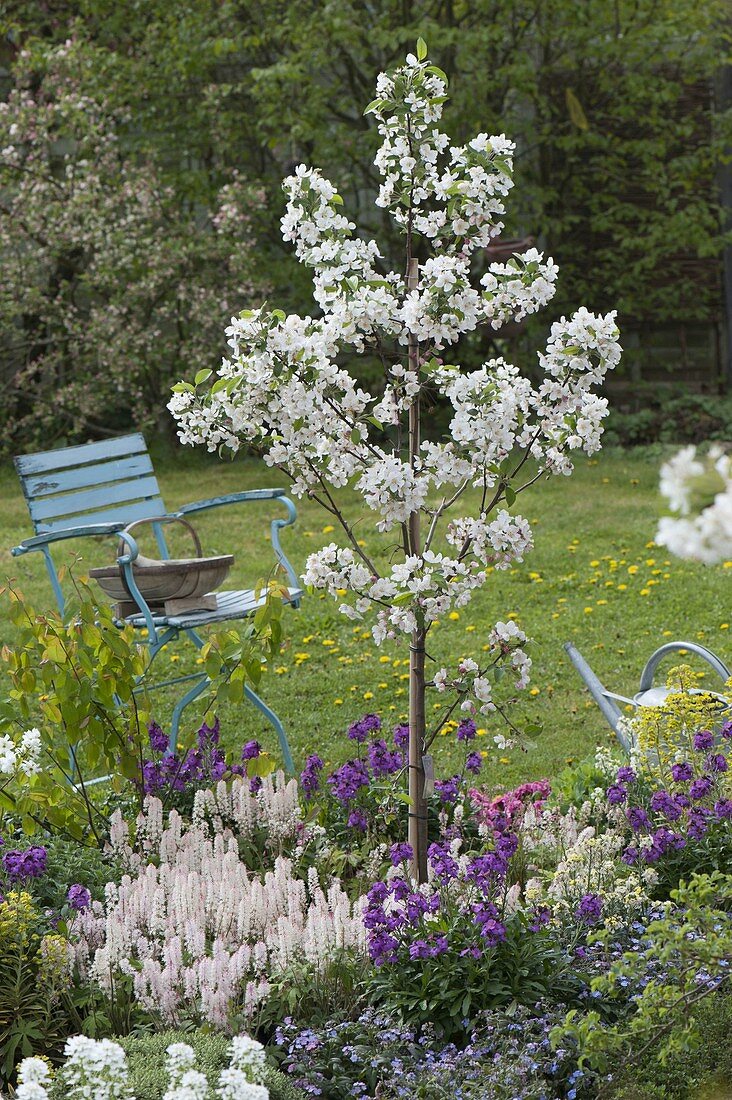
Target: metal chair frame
98	489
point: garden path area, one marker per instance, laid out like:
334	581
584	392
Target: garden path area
595	577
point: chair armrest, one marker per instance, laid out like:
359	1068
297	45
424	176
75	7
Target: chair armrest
37	542
275	525
232	498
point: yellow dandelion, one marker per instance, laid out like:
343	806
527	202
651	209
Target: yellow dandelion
368	695
328	529
454	616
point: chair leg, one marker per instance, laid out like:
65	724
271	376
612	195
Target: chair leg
275	722
609	708
180	706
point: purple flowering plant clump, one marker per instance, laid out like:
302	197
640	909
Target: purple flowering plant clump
166	774
365	797
679	818
456	939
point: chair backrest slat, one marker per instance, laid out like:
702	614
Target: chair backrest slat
83	477
109	482
72	505
80	456
123	513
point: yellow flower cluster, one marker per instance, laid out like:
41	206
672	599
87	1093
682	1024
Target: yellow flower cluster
18	918
664	732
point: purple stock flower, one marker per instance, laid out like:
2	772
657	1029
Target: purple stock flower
630	855
589	910
209	735
637	818
428	949
540	918
726	730
158	739
23	865
382	947
698	825
716	762
466	730
665	803
703	740
448	789
682	773
357	819
474	762
486	917
626	775
309	778
251	751
78	896
347	780
616	794
360	730
255	784
723	809
400	853
382	760
401	736
700	787
441	861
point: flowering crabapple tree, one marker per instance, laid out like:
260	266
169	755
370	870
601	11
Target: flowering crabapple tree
284	393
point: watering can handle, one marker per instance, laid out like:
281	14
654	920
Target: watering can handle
162	519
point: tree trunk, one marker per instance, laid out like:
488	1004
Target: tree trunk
417	801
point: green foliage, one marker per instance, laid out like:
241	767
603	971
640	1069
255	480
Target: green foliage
702	1073
696	938
73	678
661	415
620	142
114	280
451	990
36	1014
312	994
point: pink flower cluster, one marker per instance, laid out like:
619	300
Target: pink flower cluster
507	809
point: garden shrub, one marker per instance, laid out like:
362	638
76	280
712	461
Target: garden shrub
702	1073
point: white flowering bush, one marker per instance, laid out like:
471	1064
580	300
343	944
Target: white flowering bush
197	931
698	489
284	392
97	1070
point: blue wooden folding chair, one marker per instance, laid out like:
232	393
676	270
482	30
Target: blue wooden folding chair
647	695
101	489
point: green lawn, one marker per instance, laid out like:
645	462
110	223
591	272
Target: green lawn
595	577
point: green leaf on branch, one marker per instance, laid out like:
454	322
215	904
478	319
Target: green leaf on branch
421	49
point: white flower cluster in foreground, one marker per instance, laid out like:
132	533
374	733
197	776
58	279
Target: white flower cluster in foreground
96	1069
197	931
21	755
699	490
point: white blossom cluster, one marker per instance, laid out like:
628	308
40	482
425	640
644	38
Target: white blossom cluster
199	933
475	684
96	1069
429	585
699	489
498	542
21	755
